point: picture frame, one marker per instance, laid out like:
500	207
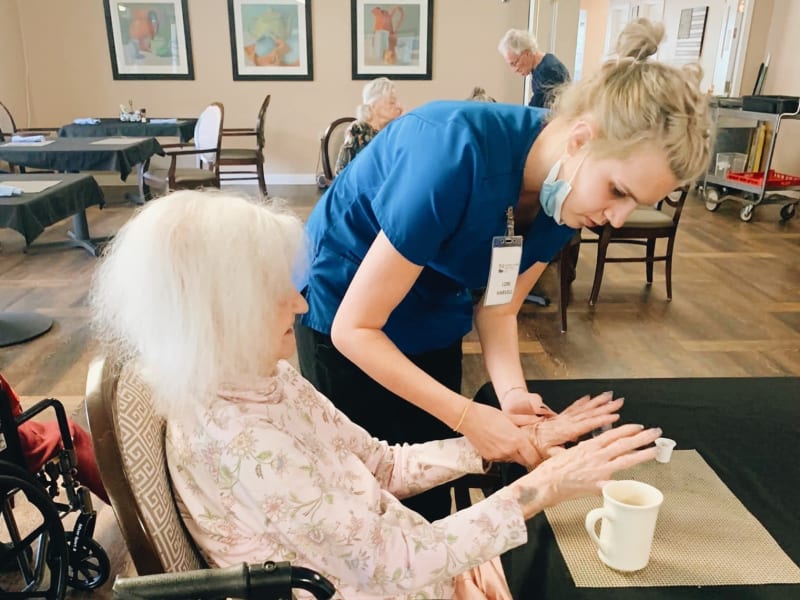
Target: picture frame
149	40
393	39
271	40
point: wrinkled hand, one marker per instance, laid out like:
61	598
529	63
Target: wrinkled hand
579	418
497	438
525	408
584	469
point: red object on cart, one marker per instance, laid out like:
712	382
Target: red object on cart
774	179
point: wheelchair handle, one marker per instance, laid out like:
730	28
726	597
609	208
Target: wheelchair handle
268	581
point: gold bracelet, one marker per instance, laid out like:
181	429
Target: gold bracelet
511	389
463	414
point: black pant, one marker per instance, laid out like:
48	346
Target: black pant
384	414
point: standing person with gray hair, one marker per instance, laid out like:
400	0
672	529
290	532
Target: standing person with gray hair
521	52
379	106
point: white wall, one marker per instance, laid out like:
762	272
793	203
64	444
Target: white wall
12	64
783	78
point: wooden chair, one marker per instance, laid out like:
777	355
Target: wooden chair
331	142
247	156
8	127
207	142
643	227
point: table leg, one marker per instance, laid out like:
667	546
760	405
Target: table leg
78	237
21	327
144	189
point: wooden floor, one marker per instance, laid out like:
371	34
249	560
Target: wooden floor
735	312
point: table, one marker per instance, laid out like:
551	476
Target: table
182	129
73	155
746	429
30	213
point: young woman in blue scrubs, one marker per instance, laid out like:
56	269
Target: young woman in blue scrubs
407	230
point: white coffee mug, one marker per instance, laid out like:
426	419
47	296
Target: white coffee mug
629	513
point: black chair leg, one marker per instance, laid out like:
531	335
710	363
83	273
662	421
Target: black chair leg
567	268
651	252
262	184
668	267
602	248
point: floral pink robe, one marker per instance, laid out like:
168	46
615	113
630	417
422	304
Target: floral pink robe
272	470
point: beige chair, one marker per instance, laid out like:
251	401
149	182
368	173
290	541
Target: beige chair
235	157
128	439
207	142
331	142
643	227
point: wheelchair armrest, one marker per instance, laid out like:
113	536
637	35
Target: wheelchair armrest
267	580
61	418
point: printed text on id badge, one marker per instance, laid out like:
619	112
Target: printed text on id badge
503	270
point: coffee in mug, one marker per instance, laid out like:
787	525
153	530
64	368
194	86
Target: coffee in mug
629	513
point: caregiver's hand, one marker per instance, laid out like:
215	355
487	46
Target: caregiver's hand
497	438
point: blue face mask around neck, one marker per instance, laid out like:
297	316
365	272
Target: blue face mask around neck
554	192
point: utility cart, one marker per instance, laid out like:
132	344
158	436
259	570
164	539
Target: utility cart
728	179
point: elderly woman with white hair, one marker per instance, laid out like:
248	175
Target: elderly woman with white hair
197	293
379	106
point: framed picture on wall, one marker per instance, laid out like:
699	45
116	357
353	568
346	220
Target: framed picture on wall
392	39
271	39
149	40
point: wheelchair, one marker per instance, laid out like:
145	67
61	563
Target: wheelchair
47	557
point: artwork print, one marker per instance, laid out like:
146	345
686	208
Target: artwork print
149	40
270	40
392	39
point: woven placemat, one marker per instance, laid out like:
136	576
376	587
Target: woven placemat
704	534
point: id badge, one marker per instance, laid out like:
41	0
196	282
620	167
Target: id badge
503	270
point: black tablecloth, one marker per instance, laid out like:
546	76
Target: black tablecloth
747	430
182	128
82	154
29	214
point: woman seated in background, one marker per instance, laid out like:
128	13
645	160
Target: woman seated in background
198	290
379	106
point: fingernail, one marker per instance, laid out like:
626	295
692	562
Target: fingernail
640	425
619	399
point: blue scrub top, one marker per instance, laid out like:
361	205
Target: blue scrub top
438	182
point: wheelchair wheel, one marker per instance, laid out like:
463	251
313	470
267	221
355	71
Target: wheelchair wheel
42	537
88	565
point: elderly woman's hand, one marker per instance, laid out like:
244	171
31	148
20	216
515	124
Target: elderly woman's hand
581	417
583	469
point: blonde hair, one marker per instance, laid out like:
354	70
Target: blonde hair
382	87
479	95
188	290
635	101
517	41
